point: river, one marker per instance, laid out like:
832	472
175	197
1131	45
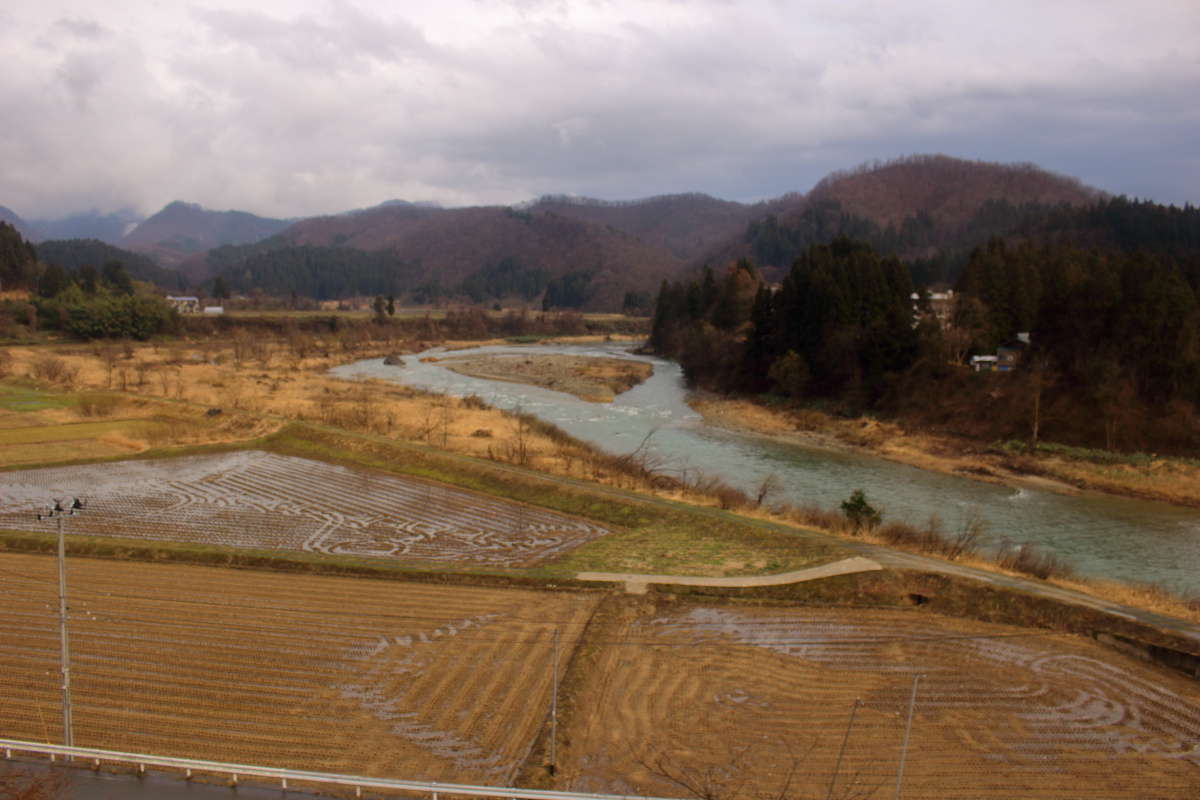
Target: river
1100	536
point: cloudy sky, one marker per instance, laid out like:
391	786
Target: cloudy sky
295	108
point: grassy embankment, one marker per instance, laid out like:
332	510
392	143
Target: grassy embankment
1049	466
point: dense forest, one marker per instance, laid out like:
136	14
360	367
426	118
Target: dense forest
936	252
18	259
1108	295
326	273
87	301
74	254
322	273
837	327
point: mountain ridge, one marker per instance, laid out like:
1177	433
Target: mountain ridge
914	205
181	229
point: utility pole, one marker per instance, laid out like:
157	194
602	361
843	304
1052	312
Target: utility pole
838	765
57	512
554	707
912	702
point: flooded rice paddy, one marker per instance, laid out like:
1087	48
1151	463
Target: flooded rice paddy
253	499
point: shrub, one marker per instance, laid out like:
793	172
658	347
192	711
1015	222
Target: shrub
97	405
815	516
859	513
1028	559
53	370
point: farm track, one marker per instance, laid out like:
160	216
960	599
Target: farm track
343	675
261	500
1001	711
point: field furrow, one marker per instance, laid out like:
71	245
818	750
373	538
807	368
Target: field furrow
406	680
751	696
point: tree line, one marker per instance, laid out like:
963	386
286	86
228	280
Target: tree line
84	301
837	327
1113	359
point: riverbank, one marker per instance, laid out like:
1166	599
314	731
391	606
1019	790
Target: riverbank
1159	479
596	380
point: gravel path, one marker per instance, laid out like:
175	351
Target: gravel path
636	584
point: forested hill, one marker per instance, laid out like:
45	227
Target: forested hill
951	191
18	258
74	254
685	225
927	209
181	229
1110	294
437	252
9	216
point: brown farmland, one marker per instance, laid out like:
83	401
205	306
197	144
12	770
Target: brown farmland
261	500
452	683
757	702
333	674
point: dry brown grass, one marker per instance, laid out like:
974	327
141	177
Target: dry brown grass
1166	480
588	378
1147	596
270	381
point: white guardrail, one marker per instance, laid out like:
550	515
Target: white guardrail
236	771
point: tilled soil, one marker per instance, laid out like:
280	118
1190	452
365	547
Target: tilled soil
330	674
756	700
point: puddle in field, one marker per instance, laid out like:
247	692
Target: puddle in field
372	648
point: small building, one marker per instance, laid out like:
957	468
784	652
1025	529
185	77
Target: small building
984	363
1008	355
185	304
214	310
941	306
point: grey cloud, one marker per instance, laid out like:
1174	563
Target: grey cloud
339	43
80	75
81	28
286	113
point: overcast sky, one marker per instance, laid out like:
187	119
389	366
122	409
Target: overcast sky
296	108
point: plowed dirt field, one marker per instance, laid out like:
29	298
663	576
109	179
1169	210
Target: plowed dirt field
452	683
333	674
738	700
262	500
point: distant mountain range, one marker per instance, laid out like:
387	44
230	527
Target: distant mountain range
183	229
910	206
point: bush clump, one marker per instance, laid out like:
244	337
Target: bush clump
861	515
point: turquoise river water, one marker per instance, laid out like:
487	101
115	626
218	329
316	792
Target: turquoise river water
1101	536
